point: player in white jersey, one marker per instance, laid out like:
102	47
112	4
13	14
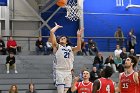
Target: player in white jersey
64	55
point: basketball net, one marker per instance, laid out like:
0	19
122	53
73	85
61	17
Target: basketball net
73	10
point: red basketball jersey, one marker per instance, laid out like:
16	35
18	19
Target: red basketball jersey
84	87
106	86
139	84
127	83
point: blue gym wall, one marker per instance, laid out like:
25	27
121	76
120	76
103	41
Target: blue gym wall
101	18
3	2
69	27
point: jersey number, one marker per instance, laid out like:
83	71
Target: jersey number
66	54
108	89
125	85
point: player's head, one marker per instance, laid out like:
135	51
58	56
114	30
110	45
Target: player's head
64	40
107	72
130	61
86	74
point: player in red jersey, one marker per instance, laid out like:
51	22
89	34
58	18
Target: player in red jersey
82	87
128	80
139	82
104	84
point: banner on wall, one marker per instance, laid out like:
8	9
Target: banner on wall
3	2
119	3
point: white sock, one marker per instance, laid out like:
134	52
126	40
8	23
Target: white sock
60	88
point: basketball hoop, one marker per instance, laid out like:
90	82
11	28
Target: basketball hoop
73	10
130	5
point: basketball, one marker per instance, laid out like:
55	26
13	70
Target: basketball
61	3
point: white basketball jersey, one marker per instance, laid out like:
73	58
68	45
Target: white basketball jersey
64	58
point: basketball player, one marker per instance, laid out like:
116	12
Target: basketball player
64	55
128	80
104	84
139	82
82	87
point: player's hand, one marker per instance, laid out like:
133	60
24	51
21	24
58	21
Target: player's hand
76	79
80	32
58	26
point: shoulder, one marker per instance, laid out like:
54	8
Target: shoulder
69	46
120	75
97	82
136	74
115	50
78	84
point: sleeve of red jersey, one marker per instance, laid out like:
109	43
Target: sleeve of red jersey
77	84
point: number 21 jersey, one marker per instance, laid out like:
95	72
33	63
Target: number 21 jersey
64	58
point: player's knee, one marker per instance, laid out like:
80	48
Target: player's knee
60	88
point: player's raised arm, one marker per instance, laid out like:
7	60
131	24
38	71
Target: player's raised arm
79	34
117	89
52	35
74	88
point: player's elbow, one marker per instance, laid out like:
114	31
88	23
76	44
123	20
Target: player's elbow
78	48
117	89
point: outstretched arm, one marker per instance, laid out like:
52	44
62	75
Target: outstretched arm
74	88
78	47
117	89
52	35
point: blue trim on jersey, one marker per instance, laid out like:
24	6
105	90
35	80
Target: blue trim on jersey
60	84
67	87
